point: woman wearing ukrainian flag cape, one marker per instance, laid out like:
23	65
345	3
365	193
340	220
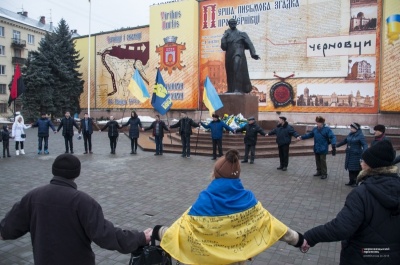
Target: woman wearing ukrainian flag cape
226	225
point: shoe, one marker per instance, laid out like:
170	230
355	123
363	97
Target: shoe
22	152
183	155
17	152
46	152
317	174
132	152
188	156
324	176
90	152
244	161
280	168
284	168
72	152
349	184
251	162
8	156
67	152
160	154
39	152
156	154
214	158
111	152
85	153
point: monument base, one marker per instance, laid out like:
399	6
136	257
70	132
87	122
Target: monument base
234	104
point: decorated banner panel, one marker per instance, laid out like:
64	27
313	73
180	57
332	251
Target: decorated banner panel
390	77
82	45
118	55
329	47
174	51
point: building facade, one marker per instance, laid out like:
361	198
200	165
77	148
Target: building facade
19	35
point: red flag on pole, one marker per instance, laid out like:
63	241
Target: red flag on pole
17	86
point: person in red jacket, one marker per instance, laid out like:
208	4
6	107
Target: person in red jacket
63	221
158	127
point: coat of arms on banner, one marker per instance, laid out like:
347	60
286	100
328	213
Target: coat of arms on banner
170	54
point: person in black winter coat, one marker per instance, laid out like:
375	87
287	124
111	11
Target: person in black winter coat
5	138
158	127
43	125
67	124
86	129
356	145
185	125
369	222
63	221
284	133
134	123
113	133
250	139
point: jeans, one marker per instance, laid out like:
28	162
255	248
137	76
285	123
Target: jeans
87	140
284	155
217	143
68	142
46	142
249	148
113	142
159	144
185	144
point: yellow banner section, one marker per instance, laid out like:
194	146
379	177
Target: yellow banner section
82	45
174	50
222	239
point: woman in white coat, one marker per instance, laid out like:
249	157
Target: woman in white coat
18	134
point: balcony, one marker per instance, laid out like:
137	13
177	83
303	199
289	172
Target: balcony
18	60
18	43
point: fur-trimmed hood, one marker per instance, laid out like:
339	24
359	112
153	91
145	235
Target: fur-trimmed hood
384	184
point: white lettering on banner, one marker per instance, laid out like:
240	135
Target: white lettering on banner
341	45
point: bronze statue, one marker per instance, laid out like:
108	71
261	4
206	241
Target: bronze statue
235	42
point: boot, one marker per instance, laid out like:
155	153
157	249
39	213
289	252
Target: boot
317	174
17	152
22	152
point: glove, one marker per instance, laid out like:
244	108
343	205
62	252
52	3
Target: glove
333	150
301	240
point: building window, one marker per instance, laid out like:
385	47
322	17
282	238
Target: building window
3	88
3	107
2	69
16	35
1	31
2	50
31	39
17	53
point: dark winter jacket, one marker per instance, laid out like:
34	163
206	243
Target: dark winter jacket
356	145
68	126
321	137
380	138
284	134
113	127
5	134
217	128
161	127
185	126
63	222
134	124
89	129
252	130
369	219
43	125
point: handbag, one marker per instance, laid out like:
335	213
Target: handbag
23	135
151	254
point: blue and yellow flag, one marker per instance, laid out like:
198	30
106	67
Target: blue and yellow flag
138	88
393	24
161	100
225	225
211	98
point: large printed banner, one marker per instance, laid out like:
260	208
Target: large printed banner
174	50
82	45
390	77
326	49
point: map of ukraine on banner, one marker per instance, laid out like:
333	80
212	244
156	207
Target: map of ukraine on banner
138	88
210	97
161	99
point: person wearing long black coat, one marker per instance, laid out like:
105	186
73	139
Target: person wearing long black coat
134	123
368	224
356	145
113	133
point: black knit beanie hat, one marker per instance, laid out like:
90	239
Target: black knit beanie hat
66	166
379	155
380	128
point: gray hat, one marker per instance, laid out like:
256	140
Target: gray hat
251	119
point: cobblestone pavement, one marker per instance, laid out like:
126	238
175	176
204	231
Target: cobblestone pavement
143	190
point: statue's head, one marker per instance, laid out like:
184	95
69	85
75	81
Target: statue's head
232	23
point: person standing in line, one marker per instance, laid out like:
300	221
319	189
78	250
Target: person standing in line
19	136
67	124
63	221
323	136
5	137
158	127
86	129
217	128
356	145
185	125
368	224
284	133
113	133
134	123
250	139
43	125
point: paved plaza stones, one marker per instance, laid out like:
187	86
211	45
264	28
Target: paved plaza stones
143	190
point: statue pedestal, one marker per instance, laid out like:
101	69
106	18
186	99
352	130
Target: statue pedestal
234	104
